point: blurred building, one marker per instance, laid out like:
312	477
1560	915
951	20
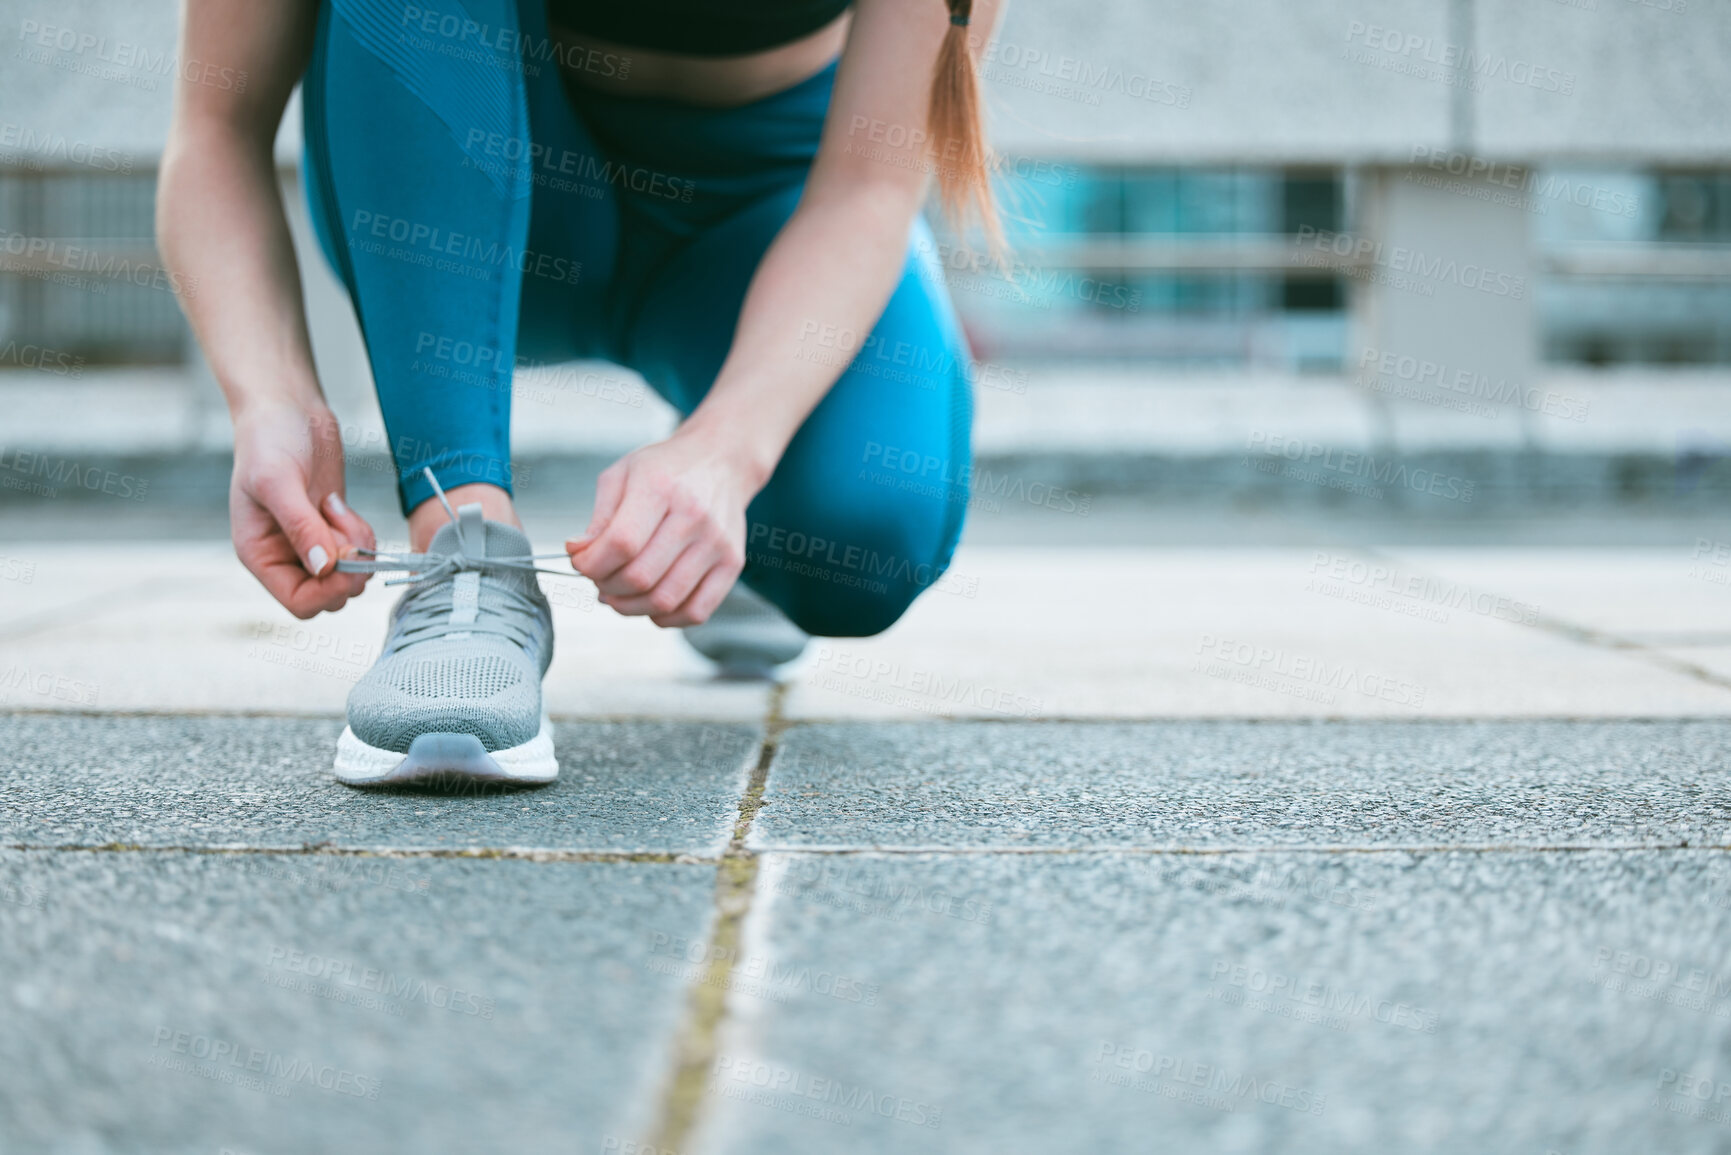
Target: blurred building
1406	210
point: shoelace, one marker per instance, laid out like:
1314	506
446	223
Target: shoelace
424	615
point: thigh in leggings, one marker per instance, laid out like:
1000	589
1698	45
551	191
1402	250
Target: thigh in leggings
480	216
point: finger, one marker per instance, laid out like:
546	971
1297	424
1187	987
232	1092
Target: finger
265	551
627	533
671	590
702	601
284	497
286	580
352	532
609	492
645	571
347	522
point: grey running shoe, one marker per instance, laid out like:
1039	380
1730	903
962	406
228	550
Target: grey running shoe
455	697
747	636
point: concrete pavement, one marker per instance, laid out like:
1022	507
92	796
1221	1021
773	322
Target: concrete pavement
1320	849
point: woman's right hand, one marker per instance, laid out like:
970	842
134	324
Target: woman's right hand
286	511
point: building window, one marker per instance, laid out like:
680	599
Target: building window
79	271
1162	264
1637	266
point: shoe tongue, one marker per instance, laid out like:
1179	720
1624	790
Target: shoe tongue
501	540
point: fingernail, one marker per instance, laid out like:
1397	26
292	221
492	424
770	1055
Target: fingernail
316	559
337	506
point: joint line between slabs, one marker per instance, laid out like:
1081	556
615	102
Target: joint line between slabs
706	1010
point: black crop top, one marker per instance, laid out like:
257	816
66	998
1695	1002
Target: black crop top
696	27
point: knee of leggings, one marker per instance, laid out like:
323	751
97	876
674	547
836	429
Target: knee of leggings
862	583
828	611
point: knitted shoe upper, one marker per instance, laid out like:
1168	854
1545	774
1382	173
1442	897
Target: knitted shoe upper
466	648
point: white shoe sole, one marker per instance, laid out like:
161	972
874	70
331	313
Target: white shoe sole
447	760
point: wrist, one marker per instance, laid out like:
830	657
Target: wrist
258	410
749	449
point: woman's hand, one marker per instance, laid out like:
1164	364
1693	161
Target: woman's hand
286	511
668	535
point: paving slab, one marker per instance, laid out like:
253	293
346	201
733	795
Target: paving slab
184	628
1159	632
173	1002
1272	1002
168	781
1650	596
980	785
1142	633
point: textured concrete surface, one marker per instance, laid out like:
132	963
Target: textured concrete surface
254	1003
265	782
1245	1003
1431	936
1325	631
1225	784
181	626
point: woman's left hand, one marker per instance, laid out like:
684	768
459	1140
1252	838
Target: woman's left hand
668	535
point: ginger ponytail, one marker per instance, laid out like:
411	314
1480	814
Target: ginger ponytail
958	129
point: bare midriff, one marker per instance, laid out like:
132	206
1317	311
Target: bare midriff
712	81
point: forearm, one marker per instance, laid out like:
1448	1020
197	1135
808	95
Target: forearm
221	227
832	268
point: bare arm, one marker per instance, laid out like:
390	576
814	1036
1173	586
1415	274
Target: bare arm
838	258
667	537
220	224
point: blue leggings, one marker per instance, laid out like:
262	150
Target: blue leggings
482	216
